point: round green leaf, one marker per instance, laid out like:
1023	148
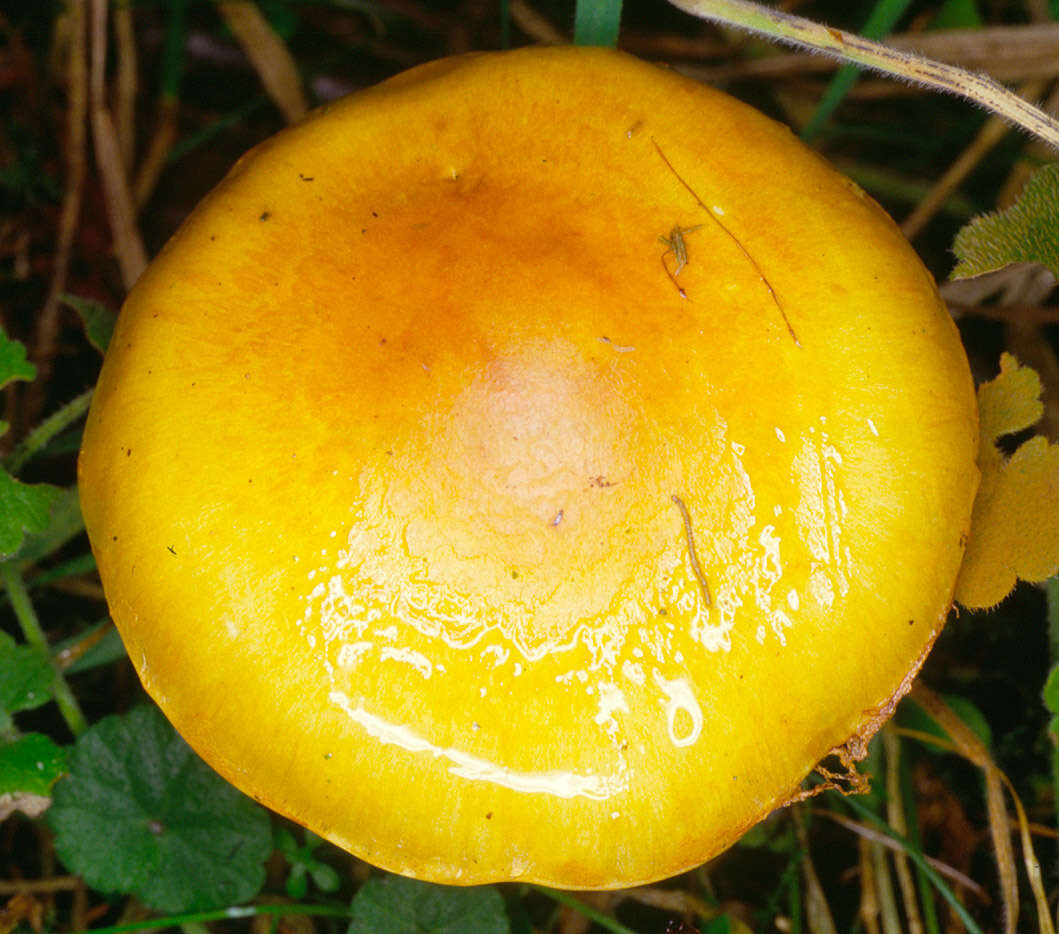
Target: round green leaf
141	813
395	905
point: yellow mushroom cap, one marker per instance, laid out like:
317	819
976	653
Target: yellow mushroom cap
445	509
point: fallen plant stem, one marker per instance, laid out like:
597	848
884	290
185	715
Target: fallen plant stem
893	842
817	910
889	916
565	898
73	653
963	741
41	886
799	31
895	814
920	860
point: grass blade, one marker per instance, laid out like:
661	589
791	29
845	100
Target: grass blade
596	22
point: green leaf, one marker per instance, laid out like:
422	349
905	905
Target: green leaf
26	676
31	765
1026	232
597	22
1051	684
1051	691
173	833
97	319
24	508
13	362
64	523
395	905
304	864
13	365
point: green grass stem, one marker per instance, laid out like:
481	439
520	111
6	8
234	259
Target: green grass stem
47	430
220	914
917	857
34	634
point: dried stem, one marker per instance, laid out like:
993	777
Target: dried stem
127	80
271	59
132	257
796	30
46	335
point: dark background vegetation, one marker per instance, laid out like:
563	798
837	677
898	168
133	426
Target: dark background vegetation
185	100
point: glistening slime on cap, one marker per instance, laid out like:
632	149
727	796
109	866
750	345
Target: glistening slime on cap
530	468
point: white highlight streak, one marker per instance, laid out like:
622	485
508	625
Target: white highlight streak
557	783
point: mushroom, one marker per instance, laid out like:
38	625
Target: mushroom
531	468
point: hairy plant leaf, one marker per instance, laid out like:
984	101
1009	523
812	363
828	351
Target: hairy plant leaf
26	677
140	813
1015	525
25	508
395	905
31	765
1026	232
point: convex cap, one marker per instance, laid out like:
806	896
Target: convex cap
530	468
